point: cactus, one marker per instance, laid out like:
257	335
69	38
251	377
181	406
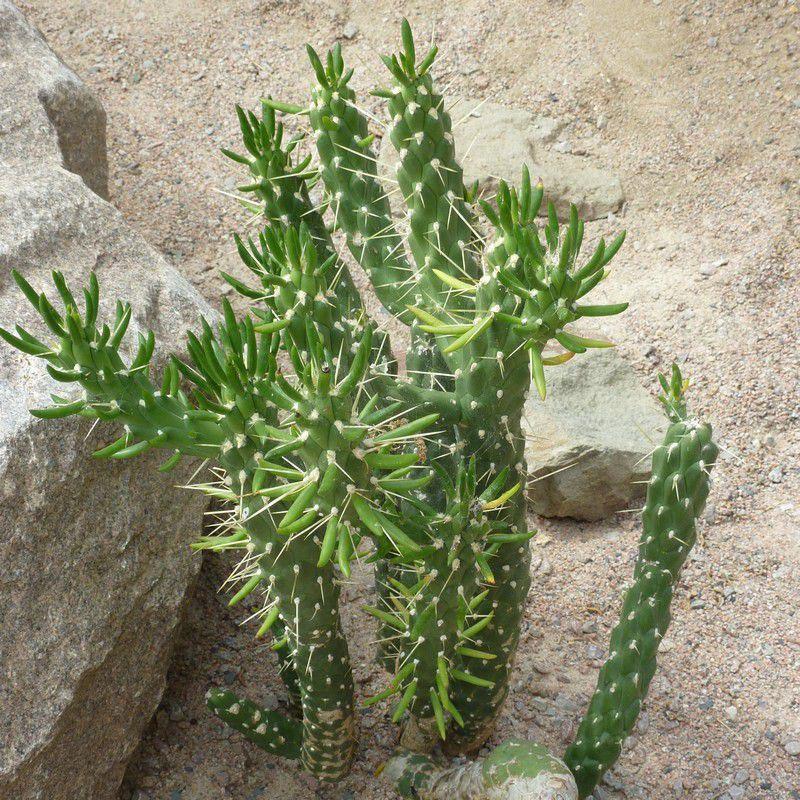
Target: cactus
676	495
323	451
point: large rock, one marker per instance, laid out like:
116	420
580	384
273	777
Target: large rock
589	442
94	555
48	116
494	141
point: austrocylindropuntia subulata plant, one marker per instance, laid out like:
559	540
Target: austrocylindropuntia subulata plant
323	451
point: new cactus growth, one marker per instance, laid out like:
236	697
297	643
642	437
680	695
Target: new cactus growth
323	451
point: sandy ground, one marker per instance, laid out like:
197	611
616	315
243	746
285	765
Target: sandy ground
697	106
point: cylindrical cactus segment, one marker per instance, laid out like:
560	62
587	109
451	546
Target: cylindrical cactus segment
442	233
675	497
302	285
301	599
82	353
270	730
357	200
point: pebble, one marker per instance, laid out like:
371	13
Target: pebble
350	30
594	652
776	474
708	269
735	792
792	747
602	122
545	568
731	712
542	667
229	676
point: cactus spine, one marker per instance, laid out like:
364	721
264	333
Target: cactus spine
336	457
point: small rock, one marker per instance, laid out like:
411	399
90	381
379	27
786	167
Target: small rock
587	451
736	792
602	122
350	30
731	712
708	269
610	779
706	704
776	474
594	652
713	41
792	747
740	777
562	147
229	676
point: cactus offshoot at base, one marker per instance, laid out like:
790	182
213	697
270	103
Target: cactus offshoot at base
321	453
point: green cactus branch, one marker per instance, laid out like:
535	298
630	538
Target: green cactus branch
676	496
270	730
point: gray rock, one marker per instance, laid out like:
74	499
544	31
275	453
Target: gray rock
589	441
776	474
350	30
94	554
494	141
56	107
